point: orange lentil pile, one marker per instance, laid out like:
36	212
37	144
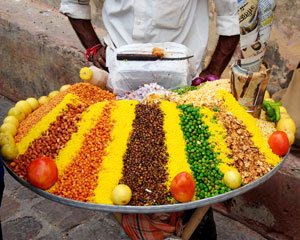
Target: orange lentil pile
79	179
90	94
33	118
145	158
51	141
87	93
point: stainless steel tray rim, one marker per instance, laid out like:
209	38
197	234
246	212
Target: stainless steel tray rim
148	209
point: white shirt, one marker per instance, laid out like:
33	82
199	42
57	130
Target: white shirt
144	21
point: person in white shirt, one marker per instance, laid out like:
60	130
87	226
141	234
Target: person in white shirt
152	21
182	21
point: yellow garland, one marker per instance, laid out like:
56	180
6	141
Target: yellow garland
112	165
36	131
251	124
175	142
217	138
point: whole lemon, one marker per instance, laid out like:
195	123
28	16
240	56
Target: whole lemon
9	152
282	109
286	124
291	136
53	94
34	103
283	113
24	107
9	128
64	87
11	119
42	100
6	138
16	113
86	74
232	179
121	194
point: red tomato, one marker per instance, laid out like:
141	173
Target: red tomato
183	187
42	172
279	143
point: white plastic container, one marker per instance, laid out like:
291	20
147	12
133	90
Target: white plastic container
125	76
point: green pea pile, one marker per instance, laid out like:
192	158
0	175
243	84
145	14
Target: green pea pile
185	89
201	157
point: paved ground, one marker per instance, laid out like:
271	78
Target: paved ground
26	215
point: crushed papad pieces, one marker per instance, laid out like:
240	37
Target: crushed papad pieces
217	138
251	125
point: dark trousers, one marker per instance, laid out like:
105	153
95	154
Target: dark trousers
1	194
206	229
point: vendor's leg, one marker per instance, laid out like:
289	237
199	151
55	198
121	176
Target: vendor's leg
1	194
207	227
1	189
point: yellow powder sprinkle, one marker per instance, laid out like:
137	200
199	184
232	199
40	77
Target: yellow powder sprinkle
251	124
44	124
88	121
112	165
175	142
216	138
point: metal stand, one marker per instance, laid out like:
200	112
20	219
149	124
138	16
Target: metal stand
118	217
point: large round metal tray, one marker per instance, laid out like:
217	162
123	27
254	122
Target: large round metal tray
149	209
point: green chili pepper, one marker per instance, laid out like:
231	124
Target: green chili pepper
277	113
273	104
271	119
266	105
270	111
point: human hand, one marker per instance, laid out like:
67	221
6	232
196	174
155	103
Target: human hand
205	73
205	76
99	58
95	51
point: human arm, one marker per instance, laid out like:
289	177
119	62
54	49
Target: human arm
79	16
228	29
89	38
221	56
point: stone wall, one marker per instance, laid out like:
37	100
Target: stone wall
284	47
39	50
283	52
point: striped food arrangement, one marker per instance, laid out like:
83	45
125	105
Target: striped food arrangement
98	142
